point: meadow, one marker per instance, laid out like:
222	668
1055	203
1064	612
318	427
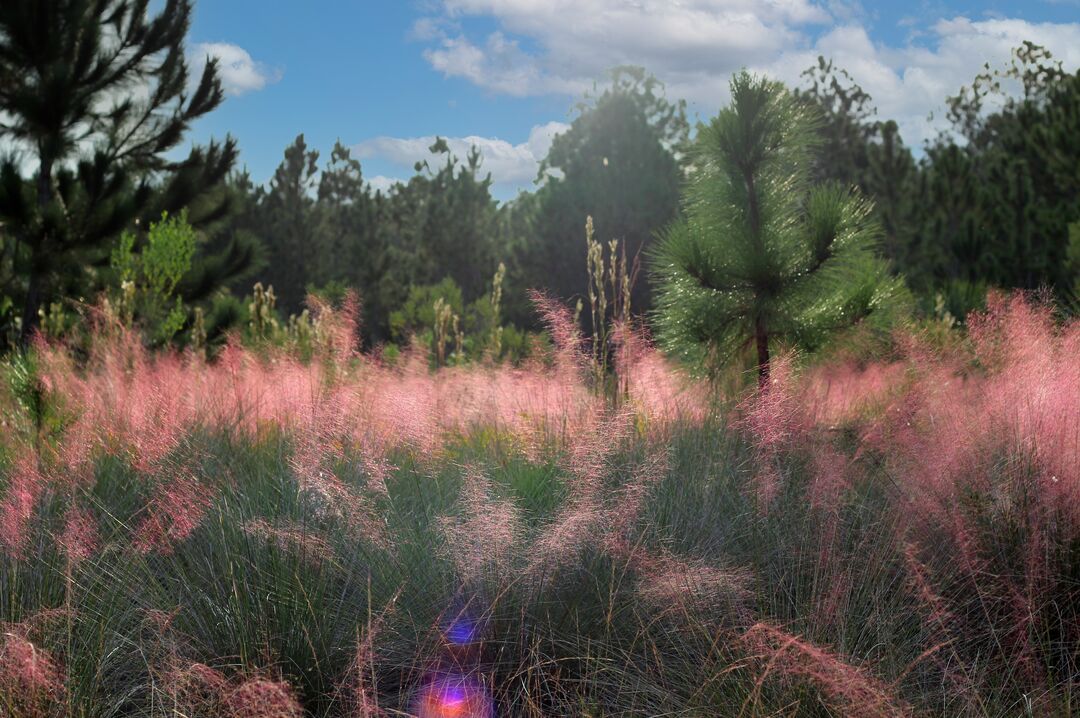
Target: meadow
263	536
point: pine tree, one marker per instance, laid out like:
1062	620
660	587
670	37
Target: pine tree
93	94
760	256
859	149
287	226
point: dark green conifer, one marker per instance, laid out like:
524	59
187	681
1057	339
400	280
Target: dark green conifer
760	256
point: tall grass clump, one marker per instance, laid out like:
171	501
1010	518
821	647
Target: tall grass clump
271	535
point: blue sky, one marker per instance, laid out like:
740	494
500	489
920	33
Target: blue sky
385	76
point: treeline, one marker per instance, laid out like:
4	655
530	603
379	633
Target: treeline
994	202
324	229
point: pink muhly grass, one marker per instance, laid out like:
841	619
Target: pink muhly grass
841	393
560	544
627	503
161	620
582	520
332	497
340	328
482	539
130	402
589	451
661	392
559	321
1012	428
25	486
262	698
668	581
936	611
564	331
966	546
125	401
292	538
1025	608
765	484
172	515
79	538
847	687
357	692
377	469
44	622
195	687
832	594
832	582
30	680
774	422
772	416
829	481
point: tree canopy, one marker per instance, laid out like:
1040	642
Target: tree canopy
763	255
619	164
94	95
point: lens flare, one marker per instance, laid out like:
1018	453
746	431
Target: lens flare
463	630
454	696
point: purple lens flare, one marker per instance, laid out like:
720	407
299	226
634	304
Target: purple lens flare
454	696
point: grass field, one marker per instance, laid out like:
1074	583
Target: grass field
261	537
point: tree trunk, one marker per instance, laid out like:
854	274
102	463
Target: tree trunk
34	289
761	336
32	303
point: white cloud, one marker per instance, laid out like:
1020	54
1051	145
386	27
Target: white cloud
382	183
909	83
238	71
512	166
693	46
579	39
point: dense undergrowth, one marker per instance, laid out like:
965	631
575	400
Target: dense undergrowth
262	537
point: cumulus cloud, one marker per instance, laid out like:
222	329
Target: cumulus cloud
382	183
512	166
910	83
238	71
578	40
561	46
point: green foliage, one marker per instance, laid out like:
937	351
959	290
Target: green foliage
857	149
437	317
329	228
418	315
148	278
609	291
101	157
761	256
8	326
1020	169
28	390
990	202
619	164
1073	257
286	226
